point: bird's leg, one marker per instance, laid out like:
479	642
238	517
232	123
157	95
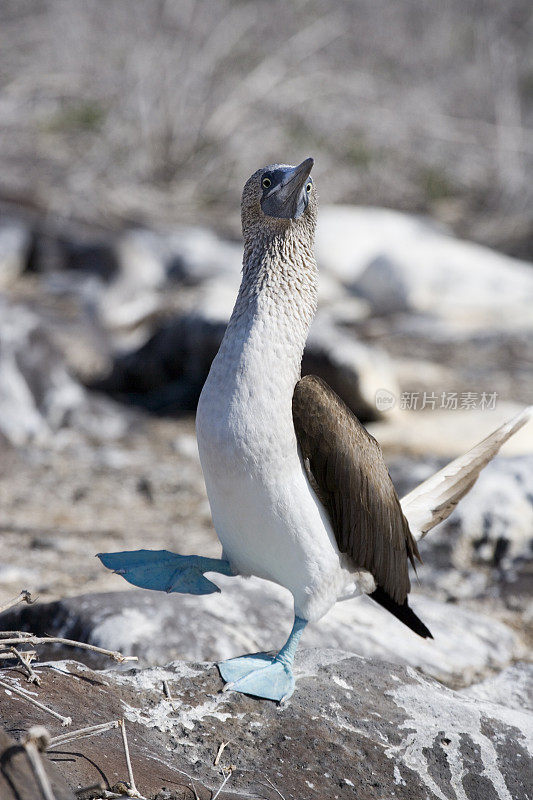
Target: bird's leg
166	571
262	675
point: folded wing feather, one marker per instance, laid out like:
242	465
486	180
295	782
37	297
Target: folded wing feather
346	469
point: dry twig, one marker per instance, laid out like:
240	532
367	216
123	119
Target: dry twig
24	658
23	597
6	655
20	637
168	695
133	792
224	782
220	750
269	782
193	787
99	792
64	720
92	730
35	742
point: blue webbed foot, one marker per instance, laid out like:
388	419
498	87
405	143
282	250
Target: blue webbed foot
262	675
165	571
259	675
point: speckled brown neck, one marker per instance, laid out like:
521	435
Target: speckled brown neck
279	267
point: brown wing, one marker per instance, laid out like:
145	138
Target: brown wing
353	483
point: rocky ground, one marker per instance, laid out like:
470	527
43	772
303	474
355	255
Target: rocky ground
105	341
353	729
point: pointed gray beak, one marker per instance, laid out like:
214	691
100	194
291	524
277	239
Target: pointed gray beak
287	198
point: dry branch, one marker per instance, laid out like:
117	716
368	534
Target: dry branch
274	788
220	750
133	792
224	782
166	692
23	597
10	656
24	659
21	693
92	730
24	638
35	742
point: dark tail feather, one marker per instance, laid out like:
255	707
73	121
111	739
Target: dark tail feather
402	612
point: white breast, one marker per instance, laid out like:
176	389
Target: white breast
265	513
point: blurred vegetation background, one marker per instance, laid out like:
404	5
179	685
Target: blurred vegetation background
156	111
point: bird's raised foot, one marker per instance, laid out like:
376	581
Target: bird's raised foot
165	571
259	675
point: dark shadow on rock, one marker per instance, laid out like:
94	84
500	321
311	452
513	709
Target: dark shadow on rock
165	375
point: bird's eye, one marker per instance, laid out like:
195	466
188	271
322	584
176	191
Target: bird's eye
308	187
267	183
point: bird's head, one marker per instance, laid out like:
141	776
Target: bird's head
279	198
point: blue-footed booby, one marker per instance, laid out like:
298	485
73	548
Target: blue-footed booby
299	491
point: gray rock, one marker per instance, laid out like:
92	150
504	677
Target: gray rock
251	615
93	256
442	276
188	256
37	394
452	355
447	434
354	727
486	546
157	271
167	373
59	246
495	519
349	238
513	688
399	262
